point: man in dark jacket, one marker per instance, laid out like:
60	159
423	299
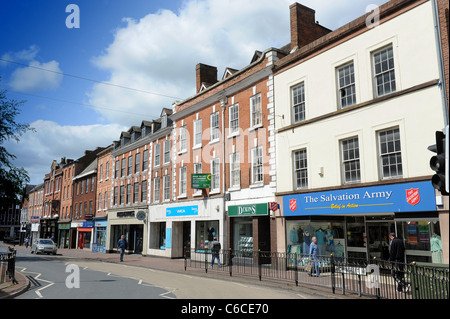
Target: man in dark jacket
122	245
397	259
215	248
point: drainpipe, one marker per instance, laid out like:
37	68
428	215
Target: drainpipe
223	105
442	83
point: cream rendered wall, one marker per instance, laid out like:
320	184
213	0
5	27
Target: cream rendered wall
417	114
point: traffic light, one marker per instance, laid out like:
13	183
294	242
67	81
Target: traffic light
440	162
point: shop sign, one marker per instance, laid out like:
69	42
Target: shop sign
182	211
407	197
200	180
64	226
125	214
248	210
35	219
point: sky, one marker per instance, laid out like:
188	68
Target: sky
125	61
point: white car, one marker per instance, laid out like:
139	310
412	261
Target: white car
44	246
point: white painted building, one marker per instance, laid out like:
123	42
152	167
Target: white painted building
354	114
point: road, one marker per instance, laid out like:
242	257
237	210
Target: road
60	277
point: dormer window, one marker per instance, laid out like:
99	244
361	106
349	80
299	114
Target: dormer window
164	121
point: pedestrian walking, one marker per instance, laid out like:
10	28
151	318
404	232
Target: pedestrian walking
215	248
27	242
397	258
122	245
314	255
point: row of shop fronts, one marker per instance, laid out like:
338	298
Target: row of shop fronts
353	222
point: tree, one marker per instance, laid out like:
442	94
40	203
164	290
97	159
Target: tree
12	179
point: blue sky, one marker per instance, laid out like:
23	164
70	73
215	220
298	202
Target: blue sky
152	46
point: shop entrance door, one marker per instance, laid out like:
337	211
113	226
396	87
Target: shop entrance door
378	239
187	239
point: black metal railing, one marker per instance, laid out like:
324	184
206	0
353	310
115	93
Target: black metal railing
8	266
373	278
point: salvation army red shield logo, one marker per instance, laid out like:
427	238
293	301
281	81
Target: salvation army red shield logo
412	196
293	204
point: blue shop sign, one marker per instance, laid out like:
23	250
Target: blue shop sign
407	197
182	211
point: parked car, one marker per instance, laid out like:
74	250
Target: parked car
44	246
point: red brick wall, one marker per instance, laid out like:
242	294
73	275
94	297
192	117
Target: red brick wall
104	183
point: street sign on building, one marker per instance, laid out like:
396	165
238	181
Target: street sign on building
201	181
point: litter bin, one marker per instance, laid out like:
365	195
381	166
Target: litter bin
429	281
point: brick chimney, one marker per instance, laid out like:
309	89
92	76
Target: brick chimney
304	28
205	74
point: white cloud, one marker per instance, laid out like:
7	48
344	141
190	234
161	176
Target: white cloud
51	141
32	79
26	54
158	52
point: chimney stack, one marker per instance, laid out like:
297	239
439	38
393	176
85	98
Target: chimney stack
205	74
304	28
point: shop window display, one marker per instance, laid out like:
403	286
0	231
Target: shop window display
330	239
205	233
422	241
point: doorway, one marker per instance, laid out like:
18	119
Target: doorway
378	239
187	239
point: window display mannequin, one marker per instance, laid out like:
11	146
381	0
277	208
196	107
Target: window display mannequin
436	249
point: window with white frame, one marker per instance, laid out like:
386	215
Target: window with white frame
214	126
156	189
130	165
183	139
183	180
298	103
106	200
257	165
215	174
107	170
166	151
234	119
198	133
198	170
128	193
144	191
136	193
157	154
351	171
255	110
123	167
99	201
384	71
166	187
346	85
145	160
390	155
137	162
235	170
300	169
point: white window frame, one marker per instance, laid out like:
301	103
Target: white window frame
183	182
214	126
198	170
255	114
215	175
298	101
157	157
156	189
387	70
396	151
166	151
300	168
353	158
197	133
257	165
183	139
166	177
233	119
346	81
235	171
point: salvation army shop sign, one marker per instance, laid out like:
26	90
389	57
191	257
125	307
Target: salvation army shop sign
407	197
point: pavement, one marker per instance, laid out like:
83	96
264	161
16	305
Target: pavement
9	290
